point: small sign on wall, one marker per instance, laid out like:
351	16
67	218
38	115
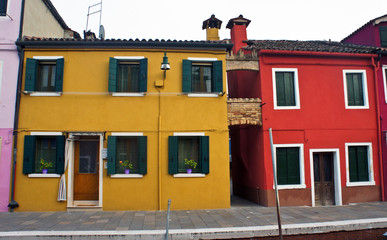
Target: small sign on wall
104	153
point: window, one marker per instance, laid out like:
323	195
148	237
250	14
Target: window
359	162
290	165
191	148
128	75
355	89
202	76
383	36
43	149
124	150
285	88
3	7
44	75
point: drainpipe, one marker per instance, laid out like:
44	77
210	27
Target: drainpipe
379	125
13	204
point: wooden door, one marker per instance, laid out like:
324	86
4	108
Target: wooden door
86	169
323	179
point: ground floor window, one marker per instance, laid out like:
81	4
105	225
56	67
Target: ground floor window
359	164
290	165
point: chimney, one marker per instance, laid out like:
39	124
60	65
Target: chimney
238	32
212	26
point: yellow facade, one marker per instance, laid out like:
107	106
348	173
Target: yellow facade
87	107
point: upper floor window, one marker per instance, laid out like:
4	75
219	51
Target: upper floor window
355	89
44	74
3	7
202	76
285	88
128	75
383	36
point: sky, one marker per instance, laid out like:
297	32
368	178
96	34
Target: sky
182	19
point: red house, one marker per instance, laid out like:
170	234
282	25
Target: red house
374	33
319	98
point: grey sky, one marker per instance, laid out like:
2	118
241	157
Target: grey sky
182	20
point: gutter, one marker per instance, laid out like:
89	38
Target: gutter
314	53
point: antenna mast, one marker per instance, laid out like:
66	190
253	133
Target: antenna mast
97	11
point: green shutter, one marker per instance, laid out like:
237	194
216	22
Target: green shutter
289	89
355	89
29	154
60	154
113	73
282	173
350	90
142	165
280	88
205	154
59	75
362	163
111	161
293	162
383	36
172	154
352	155
3	7
218	76
31	74
143	74
187	76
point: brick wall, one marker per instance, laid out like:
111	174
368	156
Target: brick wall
244	111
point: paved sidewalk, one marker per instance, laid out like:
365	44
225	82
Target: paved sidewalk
239	221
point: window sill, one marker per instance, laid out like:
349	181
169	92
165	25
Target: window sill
358	184
356	107
126	176
115	94
41	175
287	108
296	186
186	175
45	94
203	94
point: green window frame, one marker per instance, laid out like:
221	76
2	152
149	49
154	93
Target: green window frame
383	36
202	76
358	163
3	7
127	75
176	155
288	165
355	91
44	75
131	148
49	147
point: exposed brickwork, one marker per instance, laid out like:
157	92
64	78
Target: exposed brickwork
244	111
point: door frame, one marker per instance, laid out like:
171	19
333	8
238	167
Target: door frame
336	173
70	176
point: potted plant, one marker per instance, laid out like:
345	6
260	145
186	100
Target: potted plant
127	165
191	164
44	165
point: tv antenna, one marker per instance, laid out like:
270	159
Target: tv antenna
101	33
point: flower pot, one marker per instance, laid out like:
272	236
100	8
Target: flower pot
189	170
44	171
126	171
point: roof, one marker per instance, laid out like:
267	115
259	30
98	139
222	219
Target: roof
373	21
55	13
123	43
311	46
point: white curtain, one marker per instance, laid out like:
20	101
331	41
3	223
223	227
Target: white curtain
62	193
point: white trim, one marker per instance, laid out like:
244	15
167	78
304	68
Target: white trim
370	165
189	175
384	69
122	94
85	203
296	88
195	59
188	134
365	89
47	57
126	176
336	173
7	11
302	170
208	95
46	133
129	57
45	94
1	75
41	175
128	134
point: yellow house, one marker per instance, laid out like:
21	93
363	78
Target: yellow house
115	124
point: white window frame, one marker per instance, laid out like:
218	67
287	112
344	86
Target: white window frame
7	12
48	175
365	89
296	88
371	181
384	69
205	95
302	165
